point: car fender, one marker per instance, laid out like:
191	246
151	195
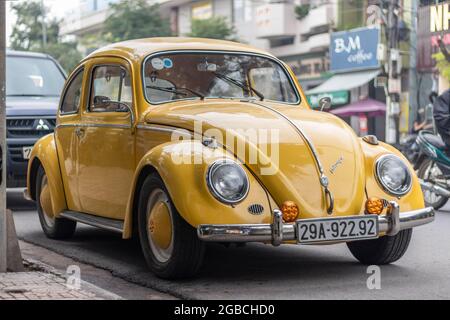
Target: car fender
44	153
182	165
413	200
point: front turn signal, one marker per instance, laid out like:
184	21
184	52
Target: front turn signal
290	211
374	206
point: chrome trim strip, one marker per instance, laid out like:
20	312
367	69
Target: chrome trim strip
95	221
388	225
94	125
158	128
276	60
31	117
324	181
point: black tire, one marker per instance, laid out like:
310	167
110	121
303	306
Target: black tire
381	251
59	228
187	251
437	202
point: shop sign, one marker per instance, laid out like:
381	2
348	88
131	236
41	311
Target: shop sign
355	49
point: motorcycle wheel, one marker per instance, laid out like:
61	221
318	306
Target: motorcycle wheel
429	171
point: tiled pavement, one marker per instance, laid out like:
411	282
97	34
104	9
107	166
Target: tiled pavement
38	285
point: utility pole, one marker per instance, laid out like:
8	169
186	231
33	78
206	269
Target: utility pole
3	221
394	72
413	103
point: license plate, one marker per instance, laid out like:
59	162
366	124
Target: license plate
26	152
337	229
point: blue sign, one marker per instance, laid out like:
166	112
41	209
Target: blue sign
354	49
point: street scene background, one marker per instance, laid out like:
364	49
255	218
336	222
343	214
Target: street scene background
378	61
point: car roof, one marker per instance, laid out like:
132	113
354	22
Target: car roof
137	50
26	54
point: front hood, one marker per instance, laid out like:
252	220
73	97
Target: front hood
292	173
31	106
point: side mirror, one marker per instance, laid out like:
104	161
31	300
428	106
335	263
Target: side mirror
325	103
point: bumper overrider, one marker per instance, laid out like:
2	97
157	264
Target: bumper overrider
278	232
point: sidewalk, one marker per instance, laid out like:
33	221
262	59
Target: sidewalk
47	285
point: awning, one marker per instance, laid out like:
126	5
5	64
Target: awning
369	107
345	81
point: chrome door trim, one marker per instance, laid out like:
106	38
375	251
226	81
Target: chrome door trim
162	128
94	125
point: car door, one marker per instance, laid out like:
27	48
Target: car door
66	143
106	141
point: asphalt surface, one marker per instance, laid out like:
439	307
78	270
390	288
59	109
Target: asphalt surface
260	271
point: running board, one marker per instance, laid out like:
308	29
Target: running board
95	221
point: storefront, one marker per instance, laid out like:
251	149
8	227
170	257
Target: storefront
433	23
354	97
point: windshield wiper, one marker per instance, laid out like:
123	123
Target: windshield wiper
247	88
177	90
29	95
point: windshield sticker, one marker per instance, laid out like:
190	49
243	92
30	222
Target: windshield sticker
157	64
167	63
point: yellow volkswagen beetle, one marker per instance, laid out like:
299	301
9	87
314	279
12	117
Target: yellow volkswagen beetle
184	141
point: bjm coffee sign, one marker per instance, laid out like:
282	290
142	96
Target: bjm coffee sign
354	49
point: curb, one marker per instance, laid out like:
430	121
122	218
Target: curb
36	265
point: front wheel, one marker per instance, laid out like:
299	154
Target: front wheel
54	228
381	251
169	244
429	171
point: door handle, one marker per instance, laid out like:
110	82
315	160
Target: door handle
79	132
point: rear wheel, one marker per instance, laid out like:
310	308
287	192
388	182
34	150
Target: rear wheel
54	228
429	171
381	251
169	244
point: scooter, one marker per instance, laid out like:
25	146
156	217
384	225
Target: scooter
433	169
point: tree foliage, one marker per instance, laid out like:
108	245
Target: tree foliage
443	65
133	20
28	34
302	11
213	28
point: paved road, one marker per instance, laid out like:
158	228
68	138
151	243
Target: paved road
263	272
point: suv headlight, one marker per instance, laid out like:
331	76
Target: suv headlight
393	175
227	181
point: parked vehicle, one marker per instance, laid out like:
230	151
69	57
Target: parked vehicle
146	145
434	169
33	85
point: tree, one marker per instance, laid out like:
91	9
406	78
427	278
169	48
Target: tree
133	20
213	28
28	34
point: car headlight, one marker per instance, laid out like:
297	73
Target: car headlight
227	181
393	175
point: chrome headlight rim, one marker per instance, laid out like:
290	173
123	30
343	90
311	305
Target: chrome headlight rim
396	193
212	168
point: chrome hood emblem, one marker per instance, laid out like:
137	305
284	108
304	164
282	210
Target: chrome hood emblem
336	165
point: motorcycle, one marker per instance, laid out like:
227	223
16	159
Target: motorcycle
433	168
409	147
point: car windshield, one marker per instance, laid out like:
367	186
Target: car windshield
29	76
177	76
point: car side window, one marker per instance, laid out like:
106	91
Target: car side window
110	86
72	97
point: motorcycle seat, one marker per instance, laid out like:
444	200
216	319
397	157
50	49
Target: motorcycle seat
435	141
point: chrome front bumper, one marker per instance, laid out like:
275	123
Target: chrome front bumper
277	232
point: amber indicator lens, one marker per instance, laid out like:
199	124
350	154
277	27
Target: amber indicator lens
374	206
290	211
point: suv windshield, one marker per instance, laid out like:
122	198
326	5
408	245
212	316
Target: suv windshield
175	76
28	76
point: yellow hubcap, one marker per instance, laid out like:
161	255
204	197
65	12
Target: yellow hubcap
160	225
46	202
